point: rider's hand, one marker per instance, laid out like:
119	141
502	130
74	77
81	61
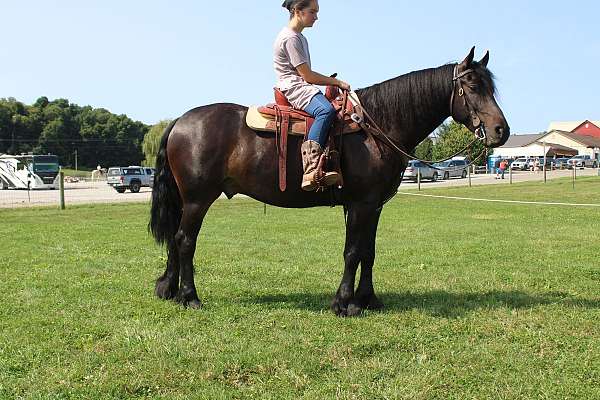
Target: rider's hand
342	85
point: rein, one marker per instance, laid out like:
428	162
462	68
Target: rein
480	133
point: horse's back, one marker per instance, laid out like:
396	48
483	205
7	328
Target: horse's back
212	147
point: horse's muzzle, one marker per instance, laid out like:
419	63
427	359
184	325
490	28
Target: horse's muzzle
500	136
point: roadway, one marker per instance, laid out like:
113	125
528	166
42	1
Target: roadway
100	192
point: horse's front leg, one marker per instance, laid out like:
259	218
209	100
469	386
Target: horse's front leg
365	293
359	214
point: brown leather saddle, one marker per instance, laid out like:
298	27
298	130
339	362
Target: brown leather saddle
282	119
300	121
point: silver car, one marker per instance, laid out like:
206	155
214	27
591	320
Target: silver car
414	167
582	161
561	163
453	168
521	163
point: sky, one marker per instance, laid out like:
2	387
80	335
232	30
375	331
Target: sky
154	60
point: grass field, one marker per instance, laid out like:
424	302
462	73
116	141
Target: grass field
483	300
79	173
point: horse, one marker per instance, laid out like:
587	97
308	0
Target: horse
210	151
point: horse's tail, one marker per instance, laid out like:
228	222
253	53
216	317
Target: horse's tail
165	214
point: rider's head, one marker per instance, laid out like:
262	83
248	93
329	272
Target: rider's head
304	10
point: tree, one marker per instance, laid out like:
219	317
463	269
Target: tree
61	128
452	137
424	150
152	142
11	135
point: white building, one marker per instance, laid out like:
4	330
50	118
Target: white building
555	143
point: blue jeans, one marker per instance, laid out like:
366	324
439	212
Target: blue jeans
324	113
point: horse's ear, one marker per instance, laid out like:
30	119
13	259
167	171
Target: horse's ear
469	59
485	59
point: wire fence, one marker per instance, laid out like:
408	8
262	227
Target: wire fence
76	191
482	176
88	190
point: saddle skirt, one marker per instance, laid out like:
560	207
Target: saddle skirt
270	117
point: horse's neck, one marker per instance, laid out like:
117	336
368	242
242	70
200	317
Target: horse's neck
411	106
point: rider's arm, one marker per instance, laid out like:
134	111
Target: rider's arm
315	78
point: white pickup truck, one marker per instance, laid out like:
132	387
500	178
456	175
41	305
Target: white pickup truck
132	178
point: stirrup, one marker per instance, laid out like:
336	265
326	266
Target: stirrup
309	186
330	178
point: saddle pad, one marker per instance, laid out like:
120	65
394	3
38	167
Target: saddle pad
260	122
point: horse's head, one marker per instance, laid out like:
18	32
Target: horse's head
473	103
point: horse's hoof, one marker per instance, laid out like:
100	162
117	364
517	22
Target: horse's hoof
194	304
163	289
374	304
188	299
354	310
369	302
338	309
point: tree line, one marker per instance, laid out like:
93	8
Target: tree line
449	139
97	137
94	135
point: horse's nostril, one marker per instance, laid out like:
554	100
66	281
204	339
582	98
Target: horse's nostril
501	130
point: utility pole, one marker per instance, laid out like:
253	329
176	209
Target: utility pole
75	159
544	161
14	127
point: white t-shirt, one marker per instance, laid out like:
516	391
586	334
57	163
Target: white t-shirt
290	50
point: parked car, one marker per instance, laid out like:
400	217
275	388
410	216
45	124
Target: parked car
427	172
132	178
521	163
453	168
582	161
549	163
561	163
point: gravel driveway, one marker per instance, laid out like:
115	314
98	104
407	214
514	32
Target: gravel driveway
100	192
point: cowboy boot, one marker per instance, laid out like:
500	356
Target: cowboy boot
314	176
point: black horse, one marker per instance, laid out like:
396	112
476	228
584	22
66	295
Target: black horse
210	150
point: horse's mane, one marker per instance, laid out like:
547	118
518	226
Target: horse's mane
408	98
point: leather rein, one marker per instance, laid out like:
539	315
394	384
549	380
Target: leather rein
480	133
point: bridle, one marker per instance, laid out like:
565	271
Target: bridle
480	134
475	120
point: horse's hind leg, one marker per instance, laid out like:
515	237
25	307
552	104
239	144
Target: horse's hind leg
168	284
185	239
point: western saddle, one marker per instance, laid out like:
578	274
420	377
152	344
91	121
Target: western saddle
283	119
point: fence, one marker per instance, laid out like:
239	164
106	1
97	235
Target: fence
81	191
479	176
76	191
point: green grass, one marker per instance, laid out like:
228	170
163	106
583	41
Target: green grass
80	173
483	300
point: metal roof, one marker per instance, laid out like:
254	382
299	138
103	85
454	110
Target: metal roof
568	126
522	140
589	141
525	140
